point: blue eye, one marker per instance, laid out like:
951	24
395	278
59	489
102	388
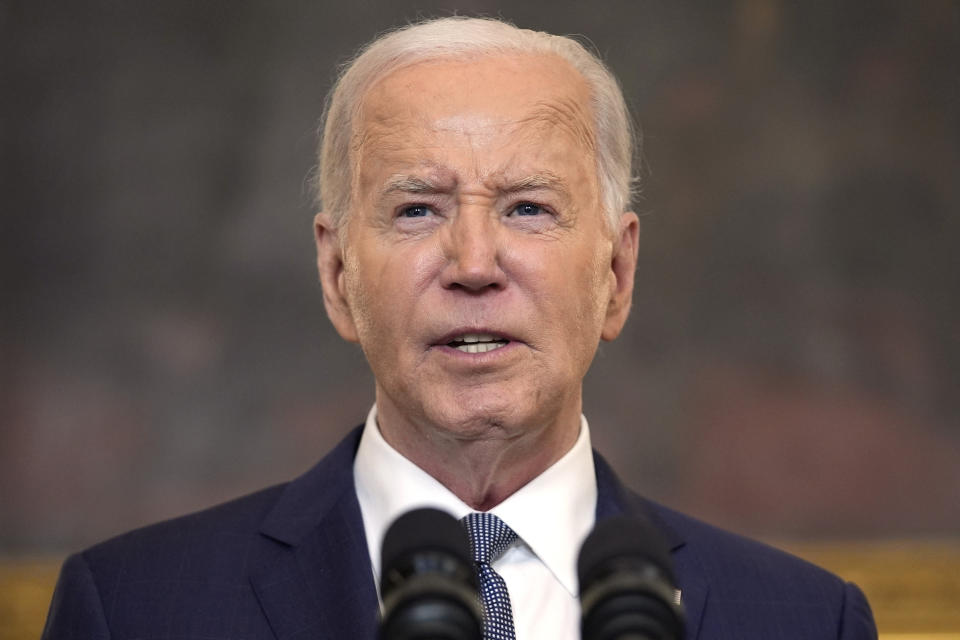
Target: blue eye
528	209
415	211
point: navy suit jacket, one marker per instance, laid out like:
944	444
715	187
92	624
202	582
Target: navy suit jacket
291	562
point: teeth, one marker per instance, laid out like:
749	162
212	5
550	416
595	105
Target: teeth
480	347
477	342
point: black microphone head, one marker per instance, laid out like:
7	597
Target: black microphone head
627	584
419	531
623	539
427	582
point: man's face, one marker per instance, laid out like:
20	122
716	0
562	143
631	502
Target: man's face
476	270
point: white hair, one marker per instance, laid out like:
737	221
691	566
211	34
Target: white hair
457	37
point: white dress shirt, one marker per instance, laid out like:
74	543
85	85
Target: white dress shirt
552	514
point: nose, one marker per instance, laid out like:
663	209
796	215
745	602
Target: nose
472	248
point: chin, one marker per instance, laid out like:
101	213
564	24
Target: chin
496	416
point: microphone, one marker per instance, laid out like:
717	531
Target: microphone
627	585
427	583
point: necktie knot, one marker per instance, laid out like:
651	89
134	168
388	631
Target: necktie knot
489	536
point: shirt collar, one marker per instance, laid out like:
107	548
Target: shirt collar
552	513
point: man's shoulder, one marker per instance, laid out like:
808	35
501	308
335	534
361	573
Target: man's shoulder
156	576
728	561
736	587
215	569
231	527
752	589
202	537
751	562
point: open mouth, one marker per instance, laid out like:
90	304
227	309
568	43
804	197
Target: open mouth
477	342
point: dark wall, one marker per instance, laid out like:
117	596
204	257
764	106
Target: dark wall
792	363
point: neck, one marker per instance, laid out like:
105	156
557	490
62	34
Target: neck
485	463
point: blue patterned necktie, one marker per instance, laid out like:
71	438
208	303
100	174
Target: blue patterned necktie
489	538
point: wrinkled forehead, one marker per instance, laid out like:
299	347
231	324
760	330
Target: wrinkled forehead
526	94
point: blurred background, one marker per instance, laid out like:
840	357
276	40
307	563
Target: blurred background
792	364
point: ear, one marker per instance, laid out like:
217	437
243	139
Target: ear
330	268
623	265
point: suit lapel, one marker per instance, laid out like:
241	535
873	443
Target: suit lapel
613	499
316	580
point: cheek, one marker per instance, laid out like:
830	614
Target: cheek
385	286
587	291
569	288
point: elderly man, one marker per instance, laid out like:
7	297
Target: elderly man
475	241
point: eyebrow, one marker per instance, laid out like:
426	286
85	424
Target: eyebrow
537	181
401	183
410	184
